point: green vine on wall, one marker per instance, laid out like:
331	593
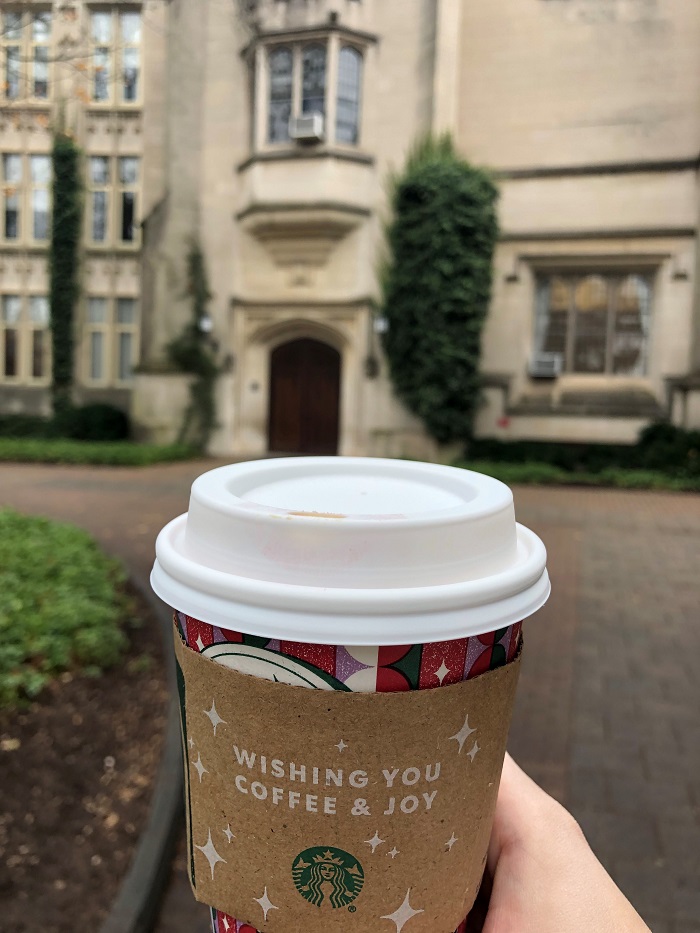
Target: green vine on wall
436	284
64	264
193	351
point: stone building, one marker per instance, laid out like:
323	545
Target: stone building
266	130
96	69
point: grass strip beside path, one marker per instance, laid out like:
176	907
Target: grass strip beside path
97	453
544	474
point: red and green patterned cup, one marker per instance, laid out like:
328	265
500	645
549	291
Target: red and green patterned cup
350	574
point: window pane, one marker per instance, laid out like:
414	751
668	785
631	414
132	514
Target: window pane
130	28
349	77
99	216
97	356
12	25
130	62
552	316
125	369
632	321
12	72
40	214
39	310
100	90
280	109
12	167
40	169
128	170
313	79
11	309
128	216
38	341
101	28
11	352
126	310
97	310
11	216
40	85
41	27
591	324
99	170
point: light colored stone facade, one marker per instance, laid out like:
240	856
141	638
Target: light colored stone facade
585	110
103	83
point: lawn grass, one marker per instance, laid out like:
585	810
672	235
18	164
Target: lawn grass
62	605
545	474
98	453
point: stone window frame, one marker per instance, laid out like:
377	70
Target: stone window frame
28	45
334	41
23	191
111	328
29	333
113	52
573	276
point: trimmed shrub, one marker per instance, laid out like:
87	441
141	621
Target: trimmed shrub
94	422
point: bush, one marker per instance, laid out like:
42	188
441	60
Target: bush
98	453
60	604
94	422
545	474
661	447
25	426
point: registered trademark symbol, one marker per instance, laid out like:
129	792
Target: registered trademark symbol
352	909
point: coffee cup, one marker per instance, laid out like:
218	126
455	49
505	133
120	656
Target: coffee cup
358	576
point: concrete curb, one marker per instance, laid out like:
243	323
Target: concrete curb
137	904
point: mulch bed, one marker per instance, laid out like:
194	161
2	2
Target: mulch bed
77	769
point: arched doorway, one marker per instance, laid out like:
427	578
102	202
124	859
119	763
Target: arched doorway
304	398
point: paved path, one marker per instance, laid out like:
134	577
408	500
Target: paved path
608	714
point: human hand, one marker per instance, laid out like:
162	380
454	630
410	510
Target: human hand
544	877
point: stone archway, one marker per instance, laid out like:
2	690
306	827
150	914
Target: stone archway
304	397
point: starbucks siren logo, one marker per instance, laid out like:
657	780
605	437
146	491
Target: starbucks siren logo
329	875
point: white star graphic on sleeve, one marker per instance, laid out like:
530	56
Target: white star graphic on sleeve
199	767
265	903
473	750
451	841
463	734
375	841
214	717
212	856
403	914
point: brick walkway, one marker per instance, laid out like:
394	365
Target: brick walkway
608	714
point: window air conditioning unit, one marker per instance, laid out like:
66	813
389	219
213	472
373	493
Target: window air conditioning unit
546	365
307	128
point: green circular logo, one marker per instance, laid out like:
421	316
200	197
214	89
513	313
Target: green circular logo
327	876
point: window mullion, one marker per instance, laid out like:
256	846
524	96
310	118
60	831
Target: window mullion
297	76
570	326
613	287
331	90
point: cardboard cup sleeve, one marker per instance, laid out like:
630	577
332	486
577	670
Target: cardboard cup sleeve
327	810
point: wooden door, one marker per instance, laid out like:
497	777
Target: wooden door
304	398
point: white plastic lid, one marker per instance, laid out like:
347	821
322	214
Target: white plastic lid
340	550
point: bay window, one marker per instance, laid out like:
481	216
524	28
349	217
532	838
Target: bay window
302	79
